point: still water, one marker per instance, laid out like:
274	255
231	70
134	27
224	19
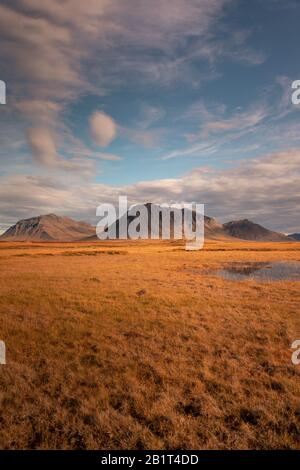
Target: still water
274	271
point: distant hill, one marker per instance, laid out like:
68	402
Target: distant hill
295	236
241	229
48	228
54	228
212	228
247	230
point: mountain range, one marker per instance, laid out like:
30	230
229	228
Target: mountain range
295	236
51	227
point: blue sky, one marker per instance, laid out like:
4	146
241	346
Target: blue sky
166	100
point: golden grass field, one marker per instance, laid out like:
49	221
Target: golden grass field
123	345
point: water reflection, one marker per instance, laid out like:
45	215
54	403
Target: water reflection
276	271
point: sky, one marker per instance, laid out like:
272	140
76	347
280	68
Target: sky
163	101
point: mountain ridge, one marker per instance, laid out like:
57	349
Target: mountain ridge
245	229
51	227
295	236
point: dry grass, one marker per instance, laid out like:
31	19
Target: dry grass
147	348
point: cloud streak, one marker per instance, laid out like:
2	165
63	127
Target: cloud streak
44	150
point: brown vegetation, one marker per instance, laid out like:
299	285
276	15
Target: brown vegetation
138	345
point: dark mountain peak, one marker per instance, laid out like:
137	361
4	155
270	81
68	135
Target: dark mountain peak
240	222
295	236
248	230
48	227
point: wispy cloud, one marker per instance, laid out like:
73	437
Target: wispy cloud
97	45
68	36
44	149
264	122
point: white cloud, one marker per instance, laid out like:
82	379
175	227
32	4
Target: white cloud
103	128
265	189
